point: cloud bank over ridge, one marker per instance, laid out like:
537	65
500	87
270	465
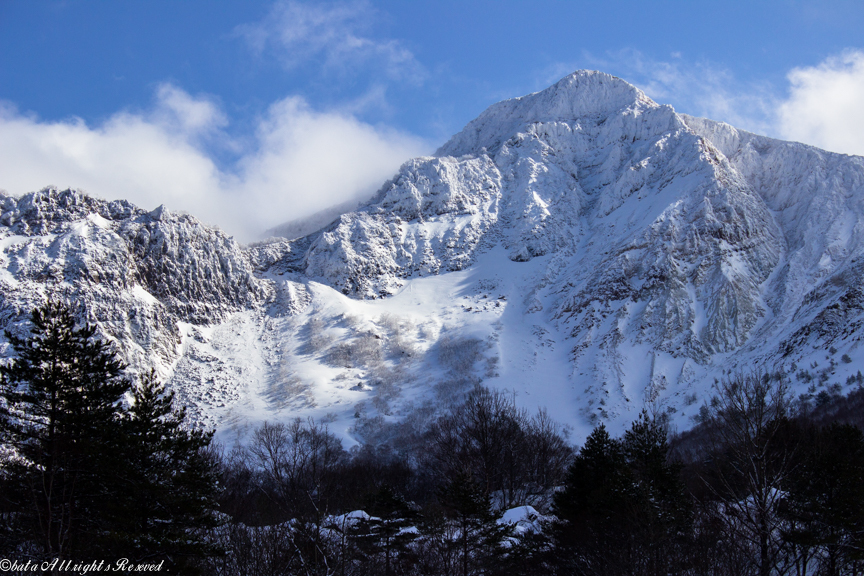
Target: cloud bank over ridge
298	162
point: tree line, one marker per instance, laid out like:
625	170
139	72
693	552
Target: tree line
96	466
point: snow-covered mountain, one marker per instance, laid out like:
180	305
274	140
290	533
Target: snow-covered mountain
584	247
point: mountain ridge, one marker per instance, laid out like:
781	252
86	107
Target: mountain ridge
635	253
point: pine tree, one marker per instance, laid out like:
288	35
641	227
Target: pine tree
824	504
85	478
168	480
591	534
478	534
623	509
60	418
661	513
385	536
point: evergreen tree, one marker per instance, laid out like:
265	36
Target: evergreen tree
824	506
384	537
661	513
478	536
60	418
590	535
168	481
623	509
84	478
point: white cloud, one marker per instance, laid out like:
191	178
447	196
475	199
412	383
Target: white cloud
332	35
825	106
299	162
307	160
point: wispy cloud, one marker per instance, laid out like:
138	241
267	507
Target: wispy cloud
332	36
188	115
299	161
307	160
696	88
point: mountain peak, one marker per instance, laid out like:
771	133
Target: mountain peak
584	94
531	174
582	246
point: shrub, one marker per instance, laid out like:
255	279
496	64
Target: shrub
459	354
318	338
358	353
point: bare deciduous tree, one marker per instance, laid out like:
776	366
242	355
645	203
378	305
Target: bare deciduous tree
751	458
507	452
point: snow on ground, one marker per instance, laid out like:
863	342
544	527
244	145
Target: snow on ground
351	363
344	360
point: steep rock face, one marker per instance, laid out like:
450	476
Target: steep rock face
526	170
136	274
197	272
687	278
817	199
430	219
654	225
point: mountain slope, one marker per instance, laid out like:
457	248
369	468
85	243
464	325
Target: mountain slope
584	247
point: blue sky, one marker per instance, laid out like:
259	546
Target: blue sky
249	114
